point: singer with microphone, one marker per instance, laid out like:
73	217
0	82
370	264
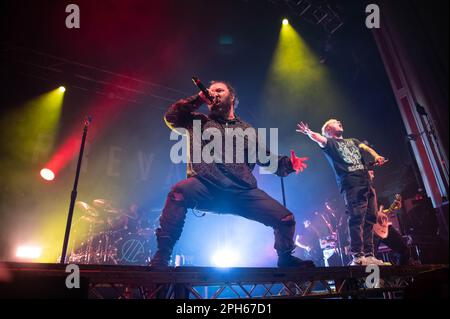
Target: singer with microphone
346	158
221	186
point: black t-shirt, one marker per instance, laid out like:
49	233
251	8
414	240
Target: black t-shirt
225	176
347	161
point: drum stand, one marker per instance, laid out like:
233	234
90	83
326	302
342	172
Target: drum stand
339	245
334	226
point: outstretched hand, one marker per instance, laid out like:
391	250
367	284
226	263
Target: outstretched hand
298	163
303	128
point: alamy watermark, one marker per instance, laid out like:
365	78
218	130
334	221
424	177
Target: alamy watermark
73	279
373	279
241	146
373	18
73	19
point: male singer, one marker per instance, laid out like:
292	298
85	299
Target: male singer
344	155
223	187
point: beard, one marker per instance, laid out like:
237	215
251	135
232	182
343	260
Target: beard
221	108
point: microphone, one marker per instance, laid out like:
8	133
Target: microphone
372	164
88	120
202	88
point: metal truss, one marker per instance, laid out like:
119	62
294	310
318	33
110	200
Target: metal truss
351	288
134	282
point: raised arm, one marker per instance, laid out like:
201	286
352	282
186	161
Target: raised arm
379	160
316	137
279	165
299	244
285	165
181	113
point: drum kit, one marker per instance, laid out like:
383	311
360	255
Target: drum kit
105	234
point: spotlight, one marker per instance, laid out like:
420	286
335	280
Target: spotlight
224	258
285	21
28	252
62	89
47	174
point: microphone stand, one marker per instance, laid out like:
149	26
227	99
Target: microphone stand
338	239
337	224
282	191
73	196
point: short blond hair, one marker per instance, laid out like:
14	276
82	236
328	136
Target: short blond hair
325	127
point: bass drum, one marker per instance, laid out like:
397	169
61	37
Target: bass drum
133	249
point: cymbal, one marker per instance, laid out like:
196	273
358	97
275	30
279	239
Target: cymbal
106	205
83	205
112	211
91	219
88	209
101	203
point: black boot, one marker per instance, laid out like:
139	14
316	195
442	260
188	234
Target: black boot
287	260
161	259
162	256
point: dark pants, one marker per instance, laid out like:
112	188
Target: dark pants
361	204
253	204
395	241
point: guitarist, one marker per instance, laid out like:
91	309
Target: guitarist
309	241
394	239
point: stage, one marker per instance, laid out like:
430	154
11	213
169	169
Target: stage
35	280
